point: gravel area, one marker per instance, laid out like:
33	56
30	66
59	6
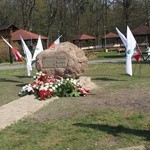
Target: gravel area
17	109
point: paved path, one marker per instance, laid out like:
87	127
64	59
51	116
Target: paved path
17	109
6	67
106	61
13	66
117	60
18	66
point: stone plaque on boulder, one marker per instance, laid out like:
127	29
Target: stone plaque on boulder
61	62
53	62
65	60
46	61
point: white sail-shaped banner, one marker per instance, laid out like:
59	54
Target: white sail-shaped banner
123	38
38	49
131	45
28	56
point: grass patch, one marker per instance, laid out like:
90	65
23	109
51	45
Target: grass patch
9	64
100	121
11	82
98	129
105	55
114	75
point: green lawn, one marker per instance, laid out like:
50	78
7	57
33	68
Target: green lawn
105	55
83	123
111	54
105	129
11	82
11	64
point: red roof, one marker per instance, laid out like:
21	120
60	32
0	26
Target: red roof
111	35
26	35
85	37
141	30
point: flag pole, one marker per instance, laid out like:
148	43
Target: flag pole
10	54
10	46
140	51
140	66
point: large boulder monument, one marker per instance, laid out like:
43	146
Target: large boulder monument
64	60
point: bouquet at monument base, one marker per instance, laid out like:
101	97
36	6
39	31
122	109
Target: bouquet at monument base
44	87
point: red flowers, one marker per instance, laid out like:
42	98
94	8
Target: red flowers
44	94
45	87
83	91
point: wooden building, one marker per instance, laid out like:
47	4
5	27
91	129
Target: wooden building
12	34
30	39
6	32
85	40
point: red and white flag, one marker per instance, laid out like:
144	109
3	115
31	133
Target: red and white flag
57	41
137	55
16	54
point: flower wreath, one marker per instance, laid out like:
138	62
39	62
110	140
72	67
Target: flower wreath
44	87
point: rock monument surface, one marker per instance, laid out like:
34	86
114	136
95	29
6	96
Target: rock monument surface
65	60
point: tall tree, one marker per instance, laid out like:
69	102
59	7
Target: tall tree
71	17
51	14
25	8
147	11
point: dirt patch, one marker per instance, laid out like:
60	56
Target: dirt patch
134	99
129	99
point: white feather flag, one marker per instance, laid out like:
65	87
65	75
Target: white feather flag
123	38
28	56
38	49
131	45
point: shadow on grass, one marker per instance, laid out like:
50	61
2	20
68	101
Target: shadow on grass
8	80
24	77
115	56
116	130
21	85
105	79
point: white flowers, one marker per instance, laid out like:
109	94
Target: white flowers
45	86
27	88
71	80
53	88
56	86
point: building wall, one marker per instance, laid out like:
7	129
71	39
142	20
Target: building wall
4	51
